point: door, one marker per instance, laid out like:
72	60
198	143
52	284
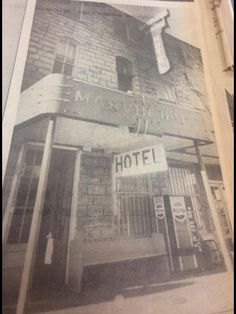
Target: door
50	265
218	193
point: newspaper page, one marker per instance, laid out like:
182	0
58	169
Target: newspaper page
113	196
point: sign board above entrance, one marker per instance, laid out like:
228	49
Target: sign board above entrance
57	94
147	160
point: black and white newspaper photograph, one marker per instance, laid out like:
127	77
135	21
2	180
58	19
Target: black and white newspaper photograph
114	199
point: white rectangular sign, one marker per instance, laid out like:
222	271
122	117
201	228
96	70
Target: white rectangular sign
146	160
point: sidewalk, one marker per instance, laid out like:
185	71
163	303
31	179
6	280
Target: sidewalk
212	294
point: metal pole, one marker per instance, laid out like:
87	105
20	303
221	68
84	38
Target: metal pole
11	200
215	216
114	199
36	221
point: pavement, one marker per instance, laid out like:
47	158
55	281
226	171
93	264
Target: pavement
209	294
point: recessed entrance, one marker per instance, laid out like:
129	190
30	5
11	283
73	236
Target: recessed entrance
50	264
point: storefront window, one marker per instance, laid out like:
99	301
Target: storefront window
21	220
135	206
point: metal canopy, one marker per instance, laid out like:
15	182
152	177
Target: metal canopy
75	133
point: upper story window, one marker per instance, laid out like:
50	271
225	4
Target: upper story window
167	92
65	57
124	69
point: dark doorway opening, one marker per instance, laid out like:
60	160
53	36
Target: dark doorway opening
51	256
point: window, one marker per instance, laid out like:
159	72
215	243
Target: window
135	206
124	74
167	92
25	199
65	57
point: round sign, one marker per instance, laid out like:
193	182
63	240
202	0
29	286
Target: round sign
160	211
179	212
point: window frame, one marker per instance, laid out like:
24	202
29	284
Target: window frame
26	208
170	92
120	75
64	62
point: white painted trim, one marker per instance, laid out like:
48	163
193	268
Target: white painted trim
58	146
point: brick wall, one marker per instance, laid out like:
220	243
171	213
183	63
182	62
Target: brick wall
94	198
98	43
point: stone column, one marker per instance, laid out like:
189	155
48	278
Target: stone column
157	25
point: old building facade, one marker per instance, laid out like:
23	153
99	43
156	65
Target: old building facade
93	92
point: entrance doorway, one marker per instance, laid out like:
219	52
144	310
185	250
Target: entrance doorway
51	256
55	220
218	193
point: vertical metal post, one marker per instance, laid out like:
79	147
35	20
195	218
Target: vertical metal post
74	207
215	216
36	221
11	200
115	202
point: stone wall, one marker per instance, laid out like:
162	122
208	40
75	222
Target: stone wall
99	41
94	198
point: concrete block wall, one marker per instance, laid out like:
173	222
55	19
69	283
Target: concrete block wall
98	43
94	215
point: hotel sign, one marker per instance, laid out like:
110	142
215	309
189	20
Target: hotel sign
57	94
147	160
